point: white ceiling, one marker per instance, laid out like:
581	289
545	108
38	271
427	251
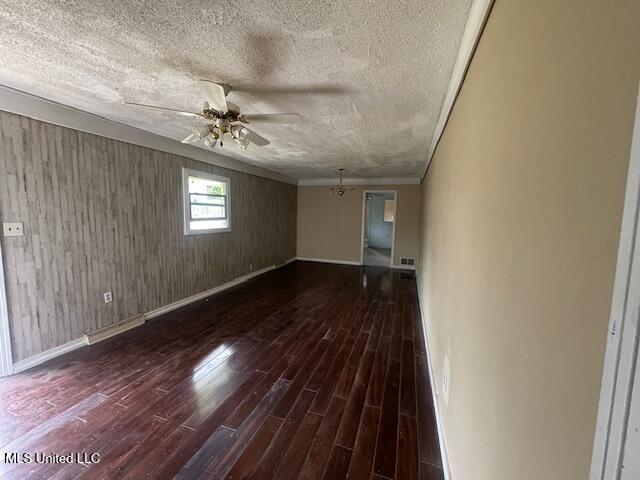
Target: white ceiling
379	69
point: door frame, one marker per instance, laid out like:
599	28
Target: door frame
393	232
6	356
621	354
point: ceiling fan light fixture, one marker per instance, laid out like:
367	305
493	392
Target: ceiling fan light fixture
241	143
201	131
239	132
223	117
210	141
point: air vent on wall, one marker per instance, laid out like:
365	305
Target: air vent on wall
409	261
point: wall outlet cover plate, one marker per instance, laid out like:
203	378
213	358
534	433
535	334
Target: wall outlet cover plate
12	229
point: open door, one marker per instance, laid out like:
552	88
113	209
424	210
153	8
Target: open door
378	228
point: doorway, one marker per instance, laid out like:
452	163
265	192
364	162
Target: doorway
378	228
617	437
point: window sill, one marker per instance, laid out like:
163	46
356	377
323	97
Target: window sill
211	230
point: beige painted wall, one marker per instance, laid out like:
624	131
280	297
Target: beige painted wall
329	227
522	210
102	215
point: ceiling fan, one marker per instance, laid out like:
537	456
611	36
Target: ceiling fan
224	117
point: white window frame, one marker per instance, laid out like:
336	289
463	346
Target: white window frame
186	210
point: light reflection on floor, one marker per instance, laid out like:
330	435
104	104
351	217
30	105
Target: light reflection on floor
377	257
203	380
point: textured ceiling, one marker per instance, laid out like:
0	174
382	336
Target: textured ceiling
380	68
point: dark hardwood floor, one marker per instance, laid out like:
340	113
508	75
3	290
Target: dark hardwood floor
311	371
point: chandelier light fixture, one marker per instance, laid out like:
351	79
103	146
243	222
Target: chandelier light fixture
340	189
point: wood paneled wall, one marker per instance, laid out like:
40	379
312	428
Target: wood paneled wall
100	215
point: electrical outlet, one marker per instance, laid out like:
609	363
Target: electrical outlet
251	267
12	229
108	297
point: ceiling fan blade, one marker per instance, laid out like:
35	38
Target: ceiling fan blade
215	95
179	112
191	139
253	137
273	117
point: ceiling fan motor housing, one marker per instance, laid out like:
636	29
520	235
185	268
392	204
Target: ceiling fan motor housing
222	122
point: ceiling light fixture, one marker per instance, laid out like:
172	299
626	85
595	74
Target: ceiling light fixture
340	189
242	143
239	132
211	141
201	131
223	117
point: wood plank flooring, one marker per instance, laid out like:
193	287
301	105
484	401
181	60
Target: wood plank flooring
312	371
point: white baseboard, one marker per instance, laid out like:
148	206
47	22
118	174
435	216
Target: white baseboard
286	262
199	296
54	352
348	262
112	330
327	260
443	448
404	267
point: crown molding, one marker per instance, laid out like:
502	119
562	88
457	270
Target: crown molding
327	182
21	103
478	15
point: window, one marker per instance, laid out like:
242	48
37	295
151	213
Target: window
206	202
389	210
